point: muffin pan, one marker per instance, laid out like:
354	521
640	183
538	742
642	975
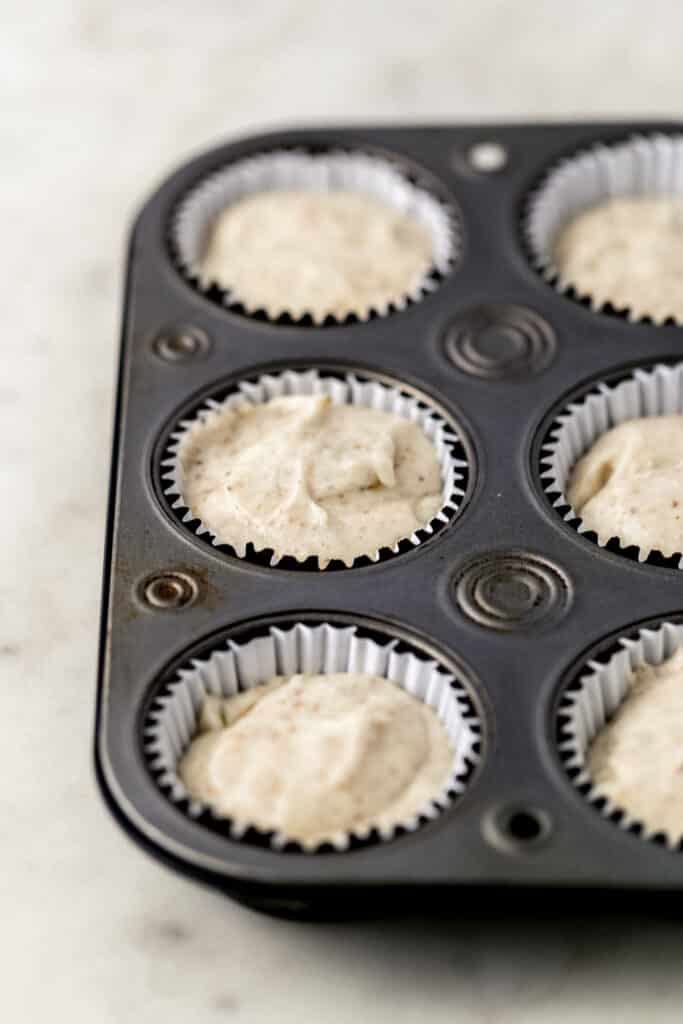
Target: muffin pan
505	594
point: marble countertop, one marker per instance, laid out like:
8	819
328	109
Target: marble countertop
99	100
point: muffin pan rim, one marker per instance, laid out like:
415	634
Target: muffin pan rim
650	870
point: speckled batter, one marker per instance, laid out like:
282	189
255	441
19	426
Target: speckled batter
630	485
306	477
321	253
637	759
316	757
627	251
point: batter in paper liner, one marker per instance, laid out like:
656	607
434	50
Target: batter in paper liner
321	253
627	251
637	759
315	757
630	485
306	477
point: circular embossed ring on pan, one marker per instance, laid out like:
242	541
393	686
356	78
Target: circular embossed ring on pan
499	341
512	590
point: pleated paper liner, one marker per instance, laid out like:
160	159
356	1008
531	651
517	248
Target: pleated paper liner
590	701
348	171
653	392
323	648
645	166
351	388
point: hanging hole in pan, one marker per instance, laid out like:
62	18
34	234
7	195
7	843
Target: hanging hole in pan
487	156
525	826
518	827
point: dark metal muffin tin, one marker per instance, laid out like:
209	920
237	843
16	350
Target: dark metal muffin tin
506	588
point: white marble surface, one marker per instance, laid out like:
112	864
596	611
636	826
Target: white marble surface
99	99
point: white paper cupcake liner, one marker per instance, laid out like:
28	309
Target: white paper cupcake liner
334	171
656	392
584	711
352	389
311	649
642	166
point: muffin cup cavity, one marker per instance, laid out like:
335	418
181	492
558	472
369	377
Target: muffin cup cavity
354	172
349	388
585	709
655	392
645	166
171	721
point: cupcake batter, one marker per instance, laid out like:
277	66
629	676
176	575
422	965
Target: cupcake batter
315	757
627	251
321	253
630	485
304	476
637	759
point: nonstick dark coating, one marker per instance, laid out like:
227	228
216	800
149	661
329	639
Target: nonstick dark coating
506	589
